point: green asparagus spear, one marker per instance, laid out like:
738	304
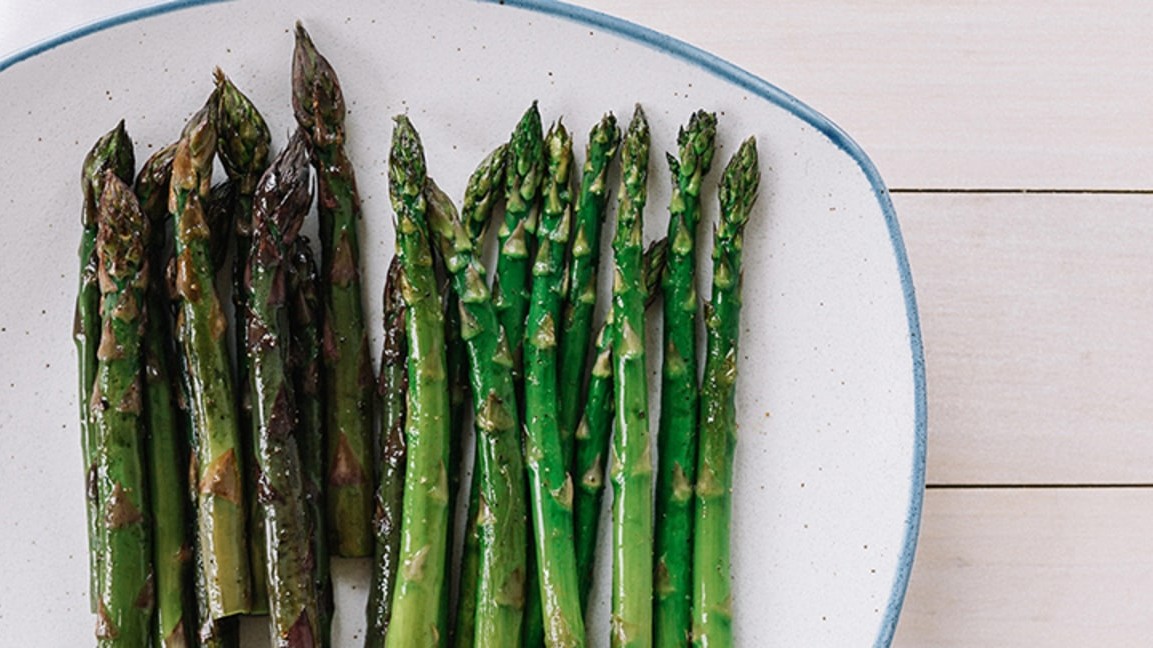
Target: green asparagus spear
485	187
152	190
595	429
416	615
523	171
631	463
125	605
550	487
281	201
677	438
319	106
582	276
242	144
498	600
393	387
482	193
304	310
112	151
712	591
456	362
167	454
201	327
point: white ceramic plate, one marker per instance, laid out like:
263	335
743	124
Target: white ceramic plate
830	464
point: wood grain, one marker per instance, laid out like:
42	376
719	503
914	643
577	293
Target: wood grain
1031	567
951	93
1036	314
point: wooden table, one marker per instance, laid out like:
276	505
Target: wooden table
1017	139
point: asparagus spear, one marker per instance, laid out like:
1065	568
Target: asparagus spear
582	276
631	464
393	387
485	187
319	106
175	615
201	328
498	601
416	614
712	592
152	190
125	603
550	487
523	171
677	438
242	144
281	201
595	428
112	151
304	311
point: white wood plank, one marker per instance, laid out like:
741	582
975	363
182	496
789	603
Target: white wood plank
951	93
1037	315
1031	567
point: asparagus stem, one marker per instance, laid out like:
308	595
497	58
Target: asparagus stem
712	593
595	430
201	327
319	107
167	452
485	188
580	301
304	310
677	437
631	464
498	601
281	201
416	614
550	486
112	151
393	388
523	171
242	145
511	292
126	595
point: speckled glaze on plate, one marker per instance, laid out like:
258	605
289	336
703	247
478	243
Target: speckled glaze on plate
830	462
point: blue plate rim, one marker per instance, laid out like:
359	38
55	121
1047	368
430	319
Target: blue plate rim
757	86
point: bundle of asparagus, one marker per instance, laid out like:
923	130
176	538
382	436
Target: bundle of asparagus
285	465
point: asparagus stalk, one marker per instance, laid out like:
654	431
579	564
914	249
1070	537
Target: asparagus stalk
242	145
167	459
511	292
112	151
498	601
595	429
631	464
201	327
281	201
393	387
319	106
125	604
712	592
416	614
677	437
582	276
152	190
484	189
550	487
523	171
304	311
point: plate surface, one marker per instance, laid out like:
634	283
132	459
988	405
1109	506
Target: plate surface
830	462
